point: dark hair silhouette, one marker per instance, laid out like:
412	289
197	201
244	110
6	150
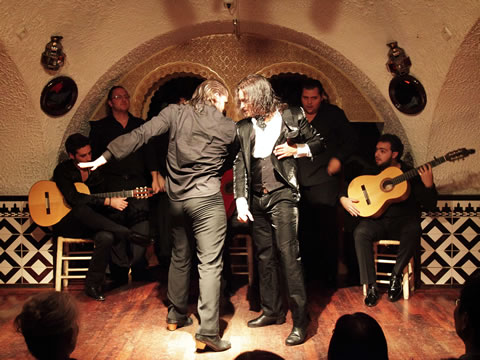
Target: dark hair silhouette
359	337
258	355
74	142
469	310
48	322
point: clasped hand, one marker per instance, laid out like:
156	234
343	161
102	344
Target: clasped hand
285	150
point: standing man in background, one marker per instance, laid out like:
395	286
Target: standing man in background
319	180
125	174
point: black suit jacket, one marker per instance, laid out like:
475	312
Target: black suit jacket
296	129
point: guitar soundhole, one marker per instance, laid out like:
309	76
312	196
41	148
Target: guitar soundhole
387	185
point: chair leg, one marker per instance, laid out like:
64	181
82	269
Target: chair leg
406	285
66	265
411	275
58	265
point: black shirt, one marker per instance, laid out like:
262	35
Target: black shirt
132	171
198	149
341	141
66	174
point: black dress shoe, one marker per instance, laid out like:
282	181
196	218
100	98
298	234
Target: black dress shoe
297	336
372	295
264	320
395	288
140	239
213	342
95	292
173	325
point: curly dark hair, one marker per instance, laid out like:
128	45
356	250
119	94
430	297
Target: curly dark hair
258	92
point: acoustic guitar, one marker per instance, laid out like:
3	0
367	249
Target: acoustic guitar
376	192
48	206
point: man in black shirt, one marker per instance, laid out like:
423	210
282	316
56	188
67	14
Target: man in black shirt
199	147
400	221
85	218
125	174
319	180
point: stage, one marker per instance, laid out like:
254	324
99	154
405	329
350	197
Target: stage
131	324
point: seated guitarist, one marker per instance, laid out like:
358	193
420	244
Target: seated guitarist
400	221
85	218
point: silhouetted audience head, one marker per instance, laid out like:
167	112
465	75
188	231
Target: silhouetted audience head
467	316
357	336
258	355
48	322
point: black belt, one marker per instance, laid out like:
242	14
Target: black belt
266	192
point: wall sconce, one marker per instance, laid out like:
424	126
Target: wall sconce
406	92
53	57
398	62
230	5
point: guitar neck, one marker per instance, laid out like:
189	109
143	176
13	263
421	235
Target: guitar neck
123	193
414	172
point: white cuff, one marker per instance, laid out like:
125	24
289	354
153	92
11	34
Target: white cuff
303	150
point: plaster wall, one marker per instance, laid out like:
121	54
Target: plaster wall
105	40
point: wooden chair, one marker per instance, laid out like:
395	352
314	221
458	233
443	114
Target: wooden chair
241	247
387	259
63	270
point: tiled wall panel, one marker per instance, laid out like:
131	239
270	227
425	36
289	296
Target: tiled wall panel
450	244
26	249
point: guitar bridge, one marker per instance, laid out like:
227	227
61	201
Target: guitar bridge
365	195
47	202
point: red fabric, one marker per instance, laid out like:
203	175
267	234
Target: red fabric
227	192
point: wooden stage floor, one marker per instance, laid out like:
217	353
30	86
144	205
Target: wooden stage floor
130	324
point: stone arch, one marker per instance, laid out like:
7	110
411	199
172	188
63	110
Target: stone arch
149	84
231	58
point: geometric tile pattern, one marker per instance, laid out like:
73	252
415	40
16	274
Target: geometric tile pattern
450	243
26	249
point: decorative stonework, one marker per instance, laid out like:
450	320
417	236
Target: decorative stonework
229	59
145	90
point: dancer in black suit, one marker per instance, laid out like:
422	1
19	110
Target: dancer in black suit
267	193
